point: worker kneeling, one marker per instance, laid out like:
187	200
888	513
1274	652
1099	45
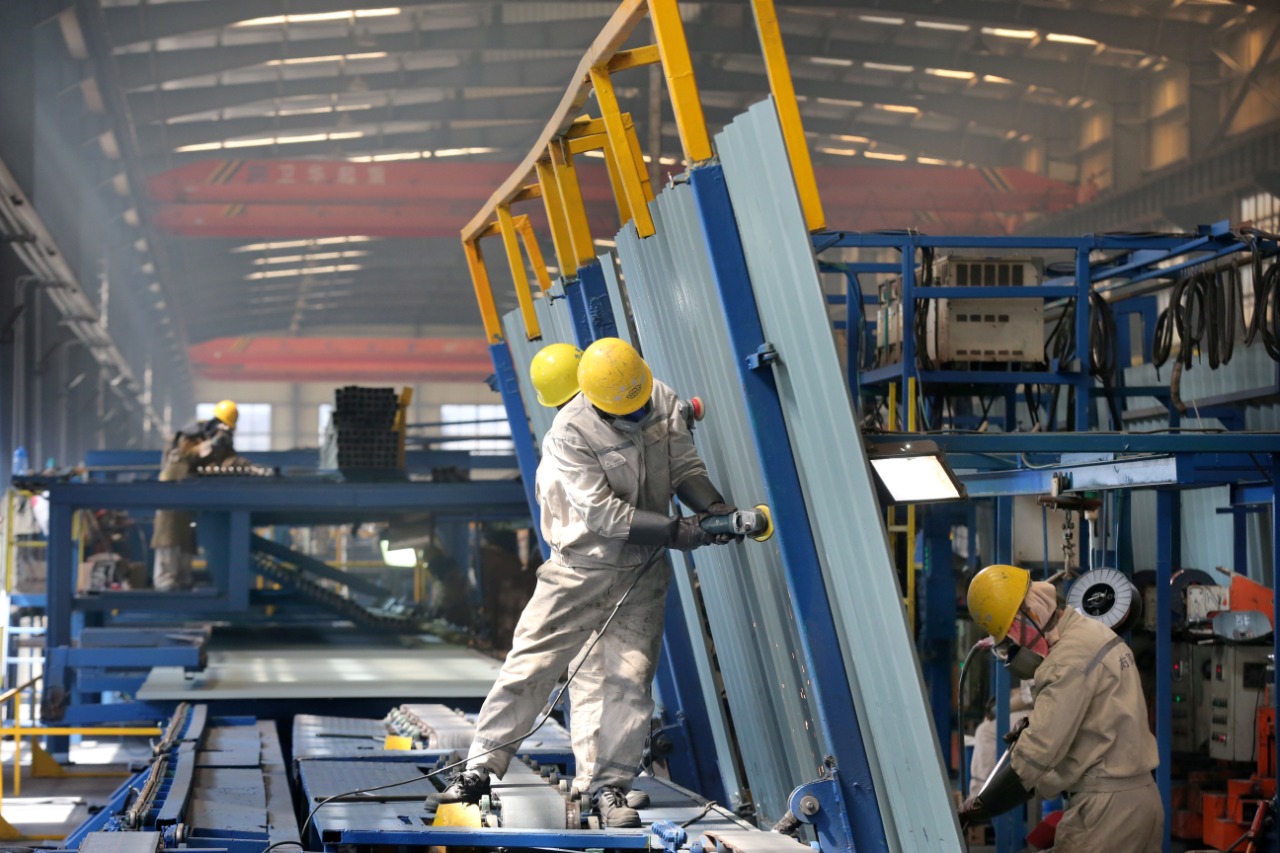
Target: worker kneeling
1087	735
613	458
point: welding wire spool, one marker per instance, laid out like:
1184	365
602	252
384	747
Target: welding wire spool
1105	595
699	408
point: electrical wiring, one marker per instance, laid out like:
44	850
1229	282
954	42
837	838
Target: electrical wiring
546	715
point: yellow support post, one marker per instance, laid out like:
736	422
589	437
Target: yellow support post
531	248
484	291
633	141
681	85
628	168
600	142
575	212
784	97
555	217
524	295
635	58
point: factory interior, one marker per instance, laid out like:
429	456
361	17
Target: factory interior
907	479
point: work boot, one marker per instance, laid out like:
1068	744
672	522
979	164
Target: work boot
465	786
637	799
614	811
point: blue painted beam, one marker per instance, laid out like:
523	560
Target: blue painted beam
1092	442
416	461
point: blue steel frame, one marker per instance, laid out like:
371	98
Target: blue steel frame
1136	262
226	511
831	693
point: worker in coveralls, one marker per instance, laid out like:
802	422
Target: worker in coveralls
1087	736
613	458
201	444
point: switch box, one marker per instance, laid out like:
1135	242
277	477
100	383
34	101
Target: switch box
1233	704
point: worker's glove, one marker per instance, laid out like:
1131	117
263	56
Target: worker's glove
721	508
1011	736
688	534
1002	792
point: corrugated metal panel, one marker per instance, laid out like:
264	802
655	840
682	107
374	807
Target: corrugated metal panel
743	587
522	352
611	283
912	787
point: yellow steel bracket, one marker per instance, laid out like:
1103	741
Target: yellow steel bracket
484	290
600	142
531	248
784	97
628	167
524	294
557	219
575	212
635	58
681	85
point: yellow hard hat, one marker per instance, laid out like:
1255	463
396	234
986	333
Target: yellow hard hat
226	412
995	594
554	371
614	377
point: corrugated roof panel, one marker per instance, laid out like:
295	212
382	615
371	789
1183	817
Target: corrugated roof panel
674	301
912	787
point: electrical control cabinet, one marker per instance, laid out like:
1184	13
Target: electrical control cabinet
1191	716
970	330
1236	683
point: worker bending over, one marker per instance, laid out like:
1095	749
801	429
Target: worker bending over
613	458
1087	735
201	444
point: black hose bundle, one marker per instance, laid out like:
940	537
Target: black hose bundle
1206	310
1266	309
1103	357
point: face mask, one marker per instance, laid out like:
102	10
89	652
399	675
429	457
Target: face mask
634	422
1021	660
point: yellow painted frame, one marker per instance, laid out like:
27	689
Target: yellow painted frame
484	290
784	98
524	293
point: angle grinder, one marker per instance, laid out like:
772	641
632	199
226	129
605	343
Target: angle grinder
756	523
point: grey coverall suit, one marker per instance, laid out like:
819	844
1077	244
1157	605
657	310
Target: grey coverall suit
590	481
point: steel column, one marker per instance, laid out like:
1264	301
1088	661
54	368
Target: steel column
1009	825
595	294
938	621
1168	560
575	297
829	685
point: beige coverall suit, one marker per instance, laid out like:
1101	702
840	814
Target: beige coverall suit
590	481
1088	736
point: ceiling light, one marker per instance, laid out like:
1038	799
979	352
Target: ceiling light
458	152
1005	32
318	17
337	268
991	78
299	244
596	153
399	558
337	57
831	60
880	66
837	102
941	25
298	259
1063	38
608	244
840	152
667	161
877	19
914	472
844	137
269	140
931	161
950	73
879	155
898	108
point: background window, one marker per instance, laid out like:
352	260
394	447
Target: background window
253	426
470	421
325	412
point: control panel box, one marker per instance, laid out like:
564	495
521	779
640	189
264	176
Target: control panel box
1236	679
969	330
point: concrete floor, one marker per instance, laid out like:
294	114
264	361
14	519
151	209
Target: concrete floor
50	808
